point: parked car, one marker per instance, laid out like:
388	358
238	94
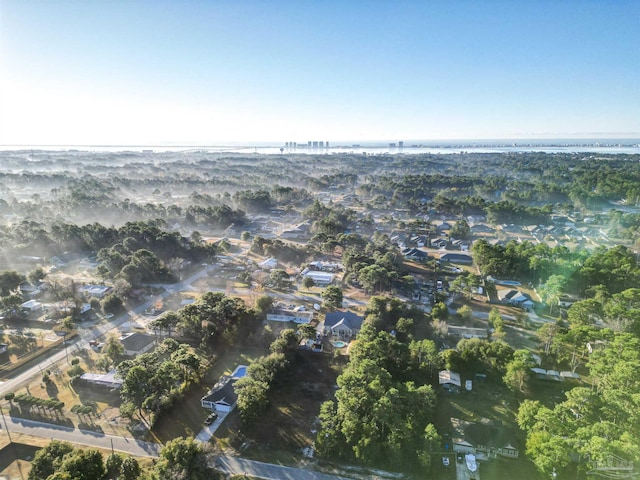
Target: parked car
211	418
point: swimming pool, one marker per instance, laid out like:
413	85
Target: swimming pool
339	344
239	372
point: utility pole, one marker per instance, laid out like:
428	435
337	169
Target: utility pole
5	425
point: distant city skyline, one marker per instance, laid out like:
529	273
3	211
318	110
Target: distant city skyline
205	73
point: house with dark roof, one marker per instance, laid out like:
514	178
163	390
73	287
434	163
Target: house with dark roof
481	228
415	254
137	343
342	325
456	258
223	397
439	243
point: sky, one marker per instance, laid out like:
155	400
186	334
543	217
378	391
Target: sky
155	72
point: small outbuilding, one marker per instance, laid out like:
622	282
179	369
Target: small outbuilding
449	380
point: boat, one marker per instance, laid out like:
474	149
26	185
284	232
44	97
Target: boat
470	458
445	461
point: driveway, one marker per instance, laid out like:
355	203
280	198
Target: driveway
208	430
463	473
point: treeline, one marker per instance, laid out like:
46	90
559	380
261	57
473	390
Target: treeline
29	238
470	183
179	458
592	424
611	270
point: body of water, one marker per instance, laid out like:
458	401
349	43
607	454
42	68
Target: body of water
610	146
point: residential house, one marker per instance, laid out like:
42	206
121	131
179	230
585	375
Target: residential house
457	258
515	298
486	439
449	380
399	239
268	264
419	240
343	325
570	376
415	254
461	244
31	306
222	397
297	231
137	343
511	228
287	315
98	291
439	243
466	332
319	278
325	266
29	291
108	380
473	219
542	374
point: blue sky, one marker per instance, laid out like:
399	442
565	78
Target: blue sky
152	72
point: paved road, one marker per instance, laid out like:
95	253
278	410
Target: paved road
82	437
140	448
268	471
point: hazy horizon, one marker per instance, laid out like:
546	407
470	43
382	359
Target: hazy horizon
373	142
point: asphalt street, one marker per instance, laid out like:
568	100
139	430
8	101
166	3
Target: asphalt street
82	437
